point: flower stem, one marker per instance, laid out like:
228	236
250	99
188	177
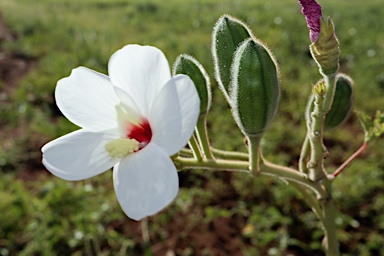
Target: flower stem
230	154
254	154
195	148
293	175
350	159
202	135
267	168
186	152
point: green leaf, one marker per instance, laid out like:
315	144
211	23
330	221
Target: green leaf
373	127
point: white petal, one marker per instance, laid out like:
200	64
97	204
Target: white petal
139	70
174	114
87	99
78	155
145	182
127	101
165	119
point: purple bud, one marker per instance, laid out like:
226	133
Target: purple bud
312	11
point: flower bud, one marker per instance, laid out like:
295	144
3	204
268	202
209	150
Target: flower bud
227	34
187	65
255	89
325	50
341	106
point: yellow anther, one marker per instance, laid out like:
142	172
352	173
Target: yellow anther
119	148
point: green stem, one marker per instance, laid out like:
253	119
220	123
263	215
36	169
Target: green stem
202	134
305	151
311	201
267	168
254	154
195	148
330	83
186	152
316	171
293	175
212	164
230	154
331	245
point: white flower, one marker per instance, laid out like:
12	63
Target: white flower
132	121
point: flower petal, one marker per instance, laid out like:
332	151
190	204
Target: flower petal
139	70
145	182
130	107
87	99
79	155
174	114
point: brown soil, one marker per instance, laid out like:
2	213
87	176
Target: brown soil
13	66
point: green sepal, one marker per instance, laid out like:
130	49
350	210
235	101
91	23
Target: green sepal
325	50
255	89
227	34
341	106
187	65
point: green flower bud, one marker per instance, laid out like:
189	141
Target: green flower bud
325	50
341	106
187	65
255	89
227	34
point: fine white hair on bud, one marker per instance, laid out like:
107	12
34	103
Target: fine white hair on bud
228	33
255	89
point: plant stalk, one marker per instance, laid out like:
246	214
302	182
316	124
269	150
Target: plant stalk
202	135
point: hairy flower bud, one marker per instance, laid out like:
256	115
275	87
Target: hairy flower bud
341	106
227	35
187	65
255	89
325	50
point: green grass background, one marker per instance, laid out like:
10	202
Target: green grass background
43	215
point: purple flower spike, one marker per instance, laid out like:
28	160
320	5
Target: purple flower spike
312	11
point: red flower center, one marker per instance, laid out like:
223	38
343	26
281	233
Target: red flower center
141	132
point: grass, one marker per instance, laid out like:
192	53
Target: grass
42	215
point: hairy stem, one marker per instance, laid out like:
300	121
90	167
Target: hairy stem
254	154
316	170
230	154
331	245
330	83
195	148
304	154
202	135
266	168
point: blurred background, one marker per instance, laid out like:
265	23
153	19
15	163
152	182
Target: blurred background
215	213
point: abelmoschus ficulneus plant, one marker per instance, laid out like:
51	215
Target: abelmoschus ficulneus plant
247	74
